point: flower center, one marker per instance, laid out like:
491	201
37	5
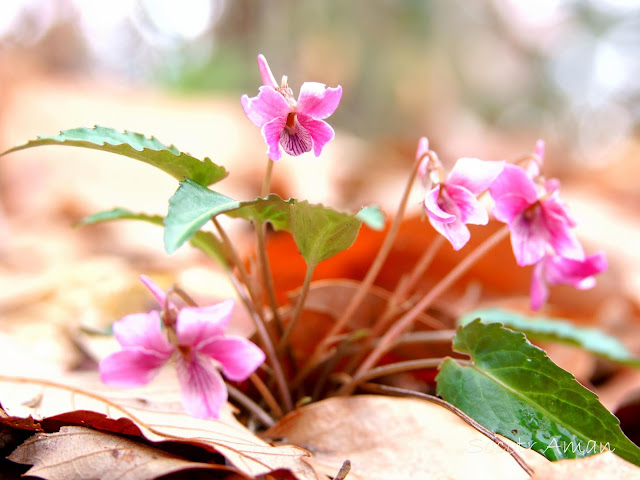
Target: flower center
291	121
185	350
531	212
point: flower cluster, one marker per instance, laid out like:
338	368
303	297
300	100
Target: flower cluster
194	339
540	225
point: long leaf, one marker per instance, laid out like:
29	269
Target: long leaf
134	145
514	389
558	330
204	241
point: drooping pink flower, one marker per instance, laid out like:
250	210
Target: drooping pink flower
452	204
538	220
557	270
194	338
297	126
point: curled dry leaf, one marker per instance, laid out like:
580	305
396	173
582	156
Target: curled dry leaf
603	466
81	453
156	411
396	438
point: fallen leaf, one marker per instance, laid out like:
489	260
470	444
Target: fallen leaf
394	438
603	466
81	453
156	411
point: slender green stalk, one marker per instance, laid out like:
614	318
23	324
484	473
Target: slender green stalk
367	282
297	312
374	388
404	322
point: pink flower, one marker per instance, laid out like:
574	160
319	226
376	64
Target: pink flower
557	270
297	126
452	204
194	338
539	222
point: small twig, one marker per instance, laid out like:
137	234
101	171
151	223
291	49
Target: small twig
344	470
251	406
375	388
266	395
399	367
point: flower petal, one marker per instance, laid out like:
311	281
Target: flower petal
295	140
131	367
577	273
155	290
265	72
529	239
456	231
198	325
421	153
269	104
203	390
470	210
272	132
561	237
433	208
538	291
512	192
238	356
142	330
318	101
321	132
474	174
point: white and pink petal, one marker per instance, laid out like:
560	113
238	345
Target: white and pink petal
319	131
203	390
269	104
432	205
318	101
474	174
131	367
470	210
198	325
142	330
238	356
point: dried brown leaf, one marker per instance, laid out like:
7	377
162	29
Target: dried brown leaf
81	453
603	466
395	438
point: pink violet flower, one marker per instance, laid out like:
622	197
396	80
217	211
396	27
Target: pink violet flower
452	204
296	125
557	270
539	221
194	338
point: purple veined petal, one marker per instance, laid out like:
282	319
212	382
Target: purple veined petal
433	209
271	132
561	237
296	139
198	325
474	174
265	73
269	104
142	330
513	181
238	356
131	367
318	101
529	239
469	208
577	273
203	390
538	291
320	132
455	231
508	207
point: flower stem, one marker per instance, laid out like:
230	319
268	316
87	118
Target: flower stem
266	182
251	406
374	388
370	277
398	367
299	307
404	322
266	395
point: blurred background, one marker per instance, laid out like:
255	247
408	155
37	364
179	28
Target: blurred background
485	78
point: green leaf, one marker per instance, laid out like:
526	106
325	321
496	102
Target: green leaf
559	331
514	389
272	209
189	209
134	145
204	241
372	217
321	232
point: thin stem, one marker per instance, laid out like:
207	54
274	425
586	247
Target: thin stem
266	395
251	406
370	277
299	307
267	344
266	182
374	388
267	276
404	322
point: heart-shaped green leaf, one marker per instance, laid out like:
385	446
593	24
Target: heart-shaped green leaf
372	217
514	389
134	145
321	232
557	330
204	241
